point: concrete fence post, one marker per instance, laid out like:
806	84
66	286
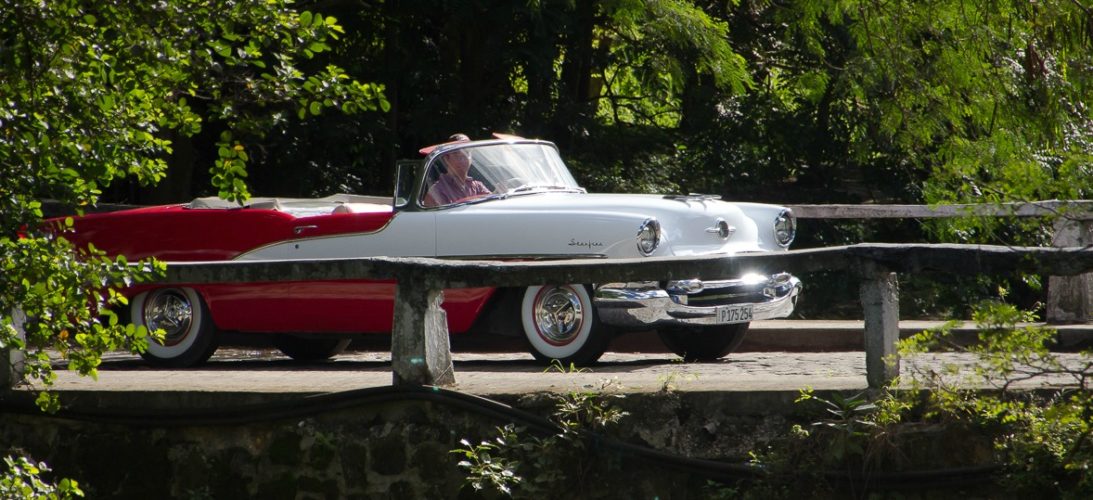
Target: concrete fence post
420	348
880	306
1070	298
12	359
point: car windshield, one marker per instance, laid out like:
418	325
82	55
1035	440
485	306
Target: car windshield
493	171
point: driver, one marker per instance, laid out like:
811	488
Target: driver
453	183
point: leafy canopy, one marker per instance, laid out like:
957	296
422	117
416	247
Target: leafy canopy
91	92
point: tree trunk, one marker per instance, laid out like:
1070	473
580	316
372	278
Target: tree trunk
576	104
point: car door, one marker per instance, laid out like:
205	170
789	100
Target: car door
327	306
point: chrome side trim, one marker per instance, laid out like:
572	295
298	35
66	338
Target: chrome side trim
543	256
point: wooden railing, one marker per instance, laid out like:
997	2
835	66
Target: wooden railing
420	352
1065	209
1069	298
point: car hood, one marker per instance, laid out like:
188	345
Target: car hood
601	224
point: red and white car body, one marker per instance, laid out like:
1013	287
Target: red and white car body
534	209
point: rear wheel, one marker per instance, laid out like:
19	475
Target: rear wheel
707	343
311	349
189	335
560	323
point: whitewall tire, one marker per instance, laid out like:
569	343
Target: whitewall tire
560	323
190	337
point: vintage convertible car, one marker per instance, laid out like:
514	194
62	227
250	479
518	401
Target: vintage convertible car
505	198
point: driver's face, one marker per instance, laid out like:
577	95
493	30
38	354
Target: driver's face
458	163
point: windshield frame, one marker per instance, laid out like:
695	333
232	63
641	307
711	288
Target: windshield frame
499	168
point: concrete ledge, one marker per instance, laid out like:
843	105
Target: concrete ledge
238	377
777	360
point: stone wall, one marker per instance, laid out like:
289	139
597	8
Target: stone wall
387	447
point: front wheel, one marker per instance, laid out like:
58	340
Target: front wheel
189	335
560	323
703	343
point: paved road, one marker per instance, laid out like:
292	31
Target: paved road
635	366
264	371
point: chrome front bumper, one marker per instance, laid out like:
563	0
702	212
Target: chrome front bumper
693	302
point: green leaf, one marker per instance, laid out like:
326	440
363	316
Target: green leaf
47	402
221	48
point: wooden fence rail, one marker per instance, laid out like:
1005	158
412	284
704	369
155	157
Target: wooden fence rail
1067	209
1069	298
420	346
420	349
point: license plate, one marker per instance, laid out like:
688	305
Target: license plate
734	314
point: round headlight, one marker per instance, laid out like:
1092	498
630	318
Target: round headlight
649	236
785	227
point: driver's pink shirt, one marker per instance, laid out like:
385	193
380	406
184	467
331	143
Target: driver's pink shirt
449	190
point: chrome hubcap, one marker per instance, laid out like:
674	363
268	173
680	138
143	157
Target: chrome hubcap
559	315
171	311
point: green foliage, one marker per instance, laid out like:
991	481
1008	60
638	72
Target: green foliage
671	381
87	103
521	466
847	439
653	173
557	366
1043	439
652	49
22	479
486	463
67	305
1049	449
95	92
849	422
589	410
950	101
989	95
1040	438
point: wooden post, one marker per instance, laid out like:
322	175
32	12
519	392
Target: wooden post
1070	298
880	305
12	359
420	348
